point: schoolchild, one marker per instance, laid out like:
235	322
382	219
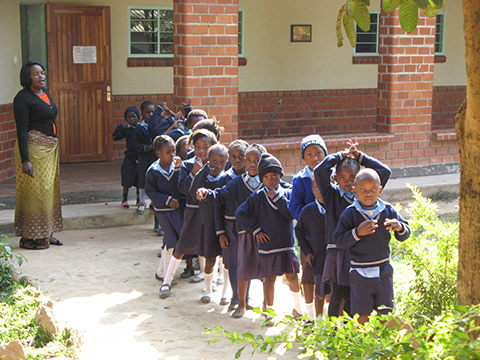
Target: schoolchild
245	265
209	245
310	233
313	151
337	197
210	125
190	232
182	147
168	203
266	214
129	166
364	229
147	109
143	145
225	218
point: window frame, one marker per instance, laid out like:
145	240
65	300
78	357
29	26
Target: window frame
355	54
242	33
442	40
129	33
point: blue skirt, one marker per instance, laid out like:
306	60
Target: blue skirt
230	255
189	233
144	162
279	264
171	224
337	267
208	246
307	270
129	172
248	259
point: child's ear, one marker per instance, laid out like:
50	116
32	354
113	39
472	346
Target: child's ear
380	191
355	190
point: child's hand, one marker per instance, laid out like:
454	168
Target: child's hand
189	103
201	193
271	193
223	241
393	224
173	203
309	259
125	125
177	123
179	116
352	149
197	166
367	227
262	237
177	161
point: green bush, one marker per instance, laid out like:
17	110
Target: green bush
7	267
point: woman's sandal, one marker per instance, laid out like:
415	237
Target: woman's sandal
31	244
54	241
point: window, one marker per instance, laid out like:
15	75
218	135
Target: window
151	32
440	35
367	41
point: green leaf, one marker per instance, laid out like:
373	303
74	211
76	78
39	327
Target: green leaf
408	15
341	12
239	352
366	2
390	5
430	12
421	4
361	15
437	4
349	26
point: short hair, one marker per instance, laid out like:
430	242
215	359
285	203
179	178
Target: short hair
161	140
25	78
348	162
201	133
238	144
180	140
367	173
196	113
218	148
257	147
146	103
211	125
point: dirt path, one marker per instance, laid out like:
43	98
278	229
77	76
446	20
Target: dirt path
104	285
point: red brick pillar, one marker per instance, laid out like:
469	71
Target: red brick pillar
206	59
405	86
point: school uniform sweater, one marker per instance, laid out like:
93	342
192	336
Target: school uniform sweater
161	187
204	179
260	213
127	133
370	250
185	179
220	208
302	193
142	138
335	202
310	232
32	113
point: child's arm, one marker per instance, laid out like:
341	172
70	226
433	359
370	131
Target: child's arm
348	233
140	147
245	216
198	181
119	132
398	225
297	198
281	202
323	171
383	170
187	107
164	126
159	200
186	176
301	234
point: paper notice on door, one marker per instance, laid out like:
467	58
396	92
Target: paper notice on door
84	54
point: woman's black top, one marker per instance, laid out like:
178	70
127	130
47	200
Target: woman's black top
32	113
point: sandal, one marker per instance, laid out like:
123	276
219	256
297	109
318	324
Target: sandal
205	299
238	313
141	209
164	291
125	205
54	241
31	244
224	301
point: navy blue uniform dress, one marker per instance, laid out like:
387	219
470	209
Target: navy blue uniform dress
129	165
141	140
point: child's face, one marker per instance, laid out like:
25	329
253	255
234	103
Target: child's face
166	154
251	162
131	118
271	180
217	161
316	191
367	191
237	159
345	178
201	147
148	112
313	155
183	150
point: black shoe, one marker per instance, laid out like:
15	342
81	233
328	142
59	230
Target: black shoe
187	273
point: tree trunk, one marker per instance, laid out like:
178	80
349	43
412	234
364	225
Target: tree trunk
468	135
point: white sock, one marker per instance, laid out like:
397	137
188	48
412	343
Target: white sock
160	272
201	261
310	310
172	269
220	268
297	302
208	283
141	195
166	257
226	282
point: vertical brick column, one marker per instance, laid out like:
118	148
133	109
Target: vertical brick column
405	86
206	59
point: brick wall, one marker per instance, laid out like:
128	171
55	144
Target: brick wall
8	136
446	102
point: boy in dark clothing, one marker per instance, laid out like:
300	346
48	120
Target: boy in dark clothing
364	229
129	166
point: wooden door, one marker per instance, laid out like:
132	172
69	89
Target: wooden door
79	78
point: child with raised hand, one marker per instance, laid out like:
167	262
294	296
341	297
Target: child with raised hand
209	245
266	214
129	166
364	229
313	151
190	232
310	232
225	217
337	197
168	203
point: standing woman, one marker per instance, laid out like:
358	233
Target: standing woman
38	211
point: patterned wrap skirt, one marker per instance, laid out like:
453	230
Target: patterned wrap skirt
38	211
